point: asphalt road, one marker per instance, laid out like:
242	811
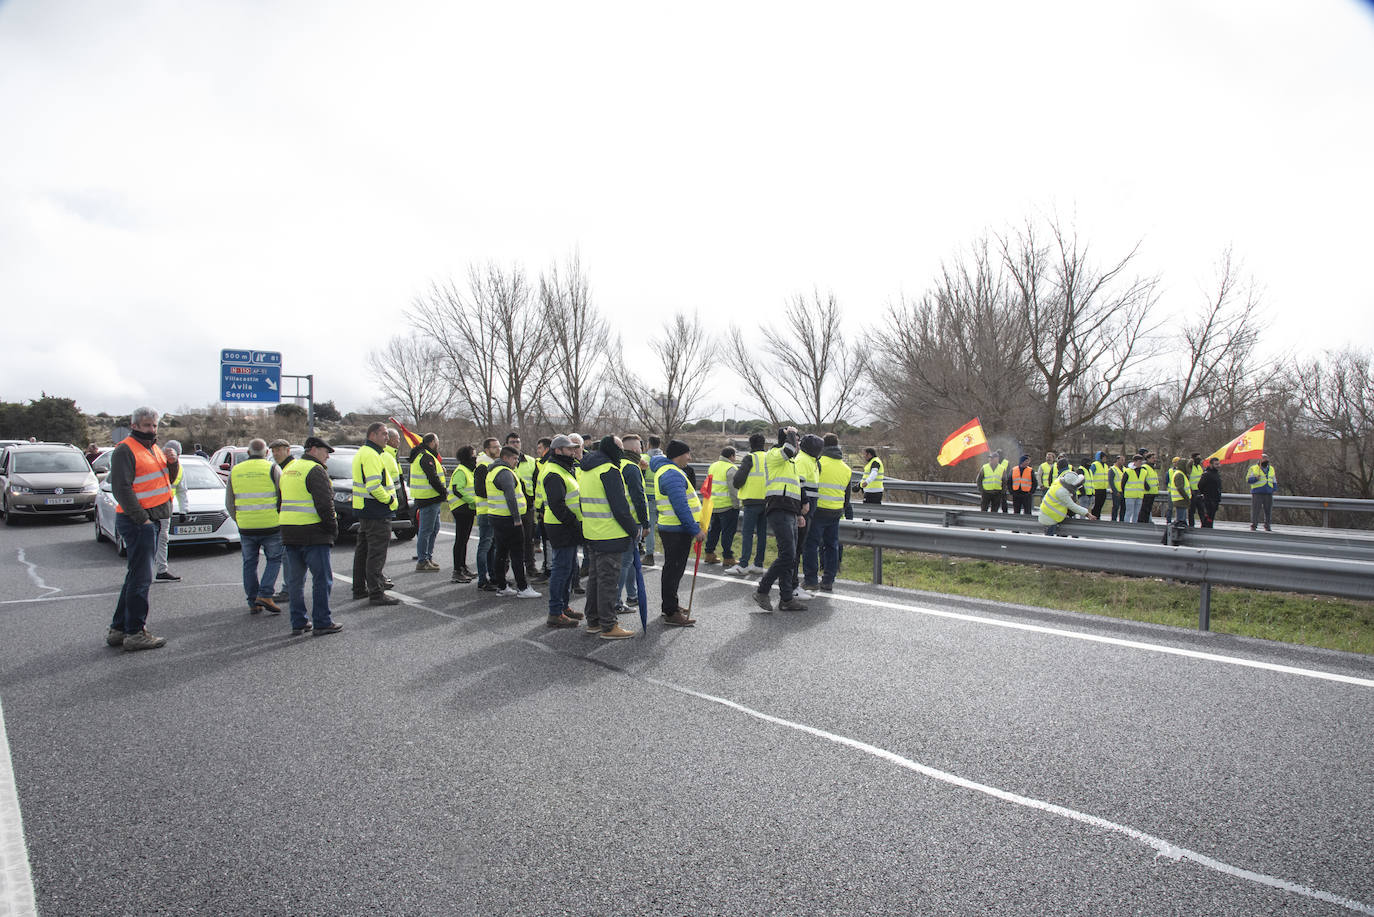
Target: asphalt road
881	753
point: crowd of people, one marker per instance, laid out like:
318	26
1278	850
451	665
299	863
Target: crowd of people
1192	487
614	504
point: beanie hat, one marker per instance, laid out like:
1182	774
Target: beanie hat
812	444
677	447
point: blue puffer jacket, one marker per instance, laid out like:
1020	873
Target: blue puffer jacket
675	489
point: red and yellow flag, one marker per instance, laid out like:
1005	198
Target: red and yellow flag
705	520
1244	448
965	442
410	439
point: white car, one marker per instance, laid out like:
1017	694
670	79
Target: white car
205	522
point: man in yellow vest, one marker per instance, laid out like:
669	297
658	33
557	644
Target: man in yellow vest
253	500
785	512
724	509
608	530
679	511
374	502
821	548
1056	505
989	482
429	492
138	483
1097	478
525	471
507	509
491	451
462	504
1045	473
871	483
1198	508
1263	481
1180	491
309	527
562	512
749	483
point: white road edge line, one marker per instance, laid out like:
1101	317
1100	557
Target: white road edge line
1076	635
1159	845
16	881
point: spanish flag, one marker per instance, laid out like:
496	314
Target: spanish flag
1244	448
410	439
965	442
705	520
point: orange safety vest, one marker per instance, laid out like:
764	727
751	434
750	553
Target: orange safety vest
1021	478
150	475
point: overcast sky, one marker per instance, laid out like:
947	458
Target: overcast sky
179	177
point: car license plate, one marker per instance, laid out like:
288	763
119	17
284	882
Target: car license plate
60	501
192	529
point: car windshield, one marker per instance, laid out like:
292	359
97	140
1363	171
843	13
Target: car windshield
49	463
341	466
201	477
102	462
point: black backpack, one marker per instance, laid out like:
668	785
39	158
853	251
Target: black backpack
479	481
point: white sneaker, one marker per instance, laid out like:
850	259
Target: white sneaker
801	594
755	568
736	570
507	592
527	593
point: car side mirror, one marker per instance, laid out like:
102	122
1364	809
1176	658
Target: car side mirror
224	466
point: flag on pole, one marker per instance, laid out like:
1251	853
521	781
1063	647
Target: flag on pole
705	520
965	442
410	439
1244	448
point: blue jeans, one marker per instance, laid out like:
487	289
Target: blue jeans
722	531
429	530
751	522
561	578
483	546
1132	509
131	611
821	551
628	584
270	545
783	569
315	558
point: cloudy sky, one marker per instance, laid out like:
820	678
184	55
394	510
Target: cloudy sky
179	177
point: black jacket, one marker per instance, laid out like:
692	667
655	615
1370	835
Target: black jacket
567	531
1209	485
613	482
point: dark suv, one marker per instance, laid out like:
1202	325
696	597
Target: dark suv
340	467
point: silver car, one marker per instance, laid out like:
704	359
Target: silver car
204	521
45	479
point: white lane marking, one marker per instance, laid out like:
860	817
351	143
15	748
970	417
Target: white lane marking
1075	635
1161	846
408	599
16	881
33	574
106	595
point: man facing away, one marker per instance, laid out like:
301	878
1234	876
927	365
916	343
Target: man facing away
608	529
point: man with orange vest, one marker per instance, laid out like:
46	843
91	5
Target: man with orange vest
138	482
1022	486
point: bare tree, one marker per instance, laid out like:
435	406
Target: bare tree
806	370
409	372
1085	329
953	354
685	354
1218	376
1338	394
579	342
492	338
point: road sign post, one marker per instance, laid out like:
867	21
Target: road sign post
250	376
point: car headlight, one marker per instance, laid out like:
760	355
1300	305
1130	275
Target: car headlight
343	496
20	489
90	488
